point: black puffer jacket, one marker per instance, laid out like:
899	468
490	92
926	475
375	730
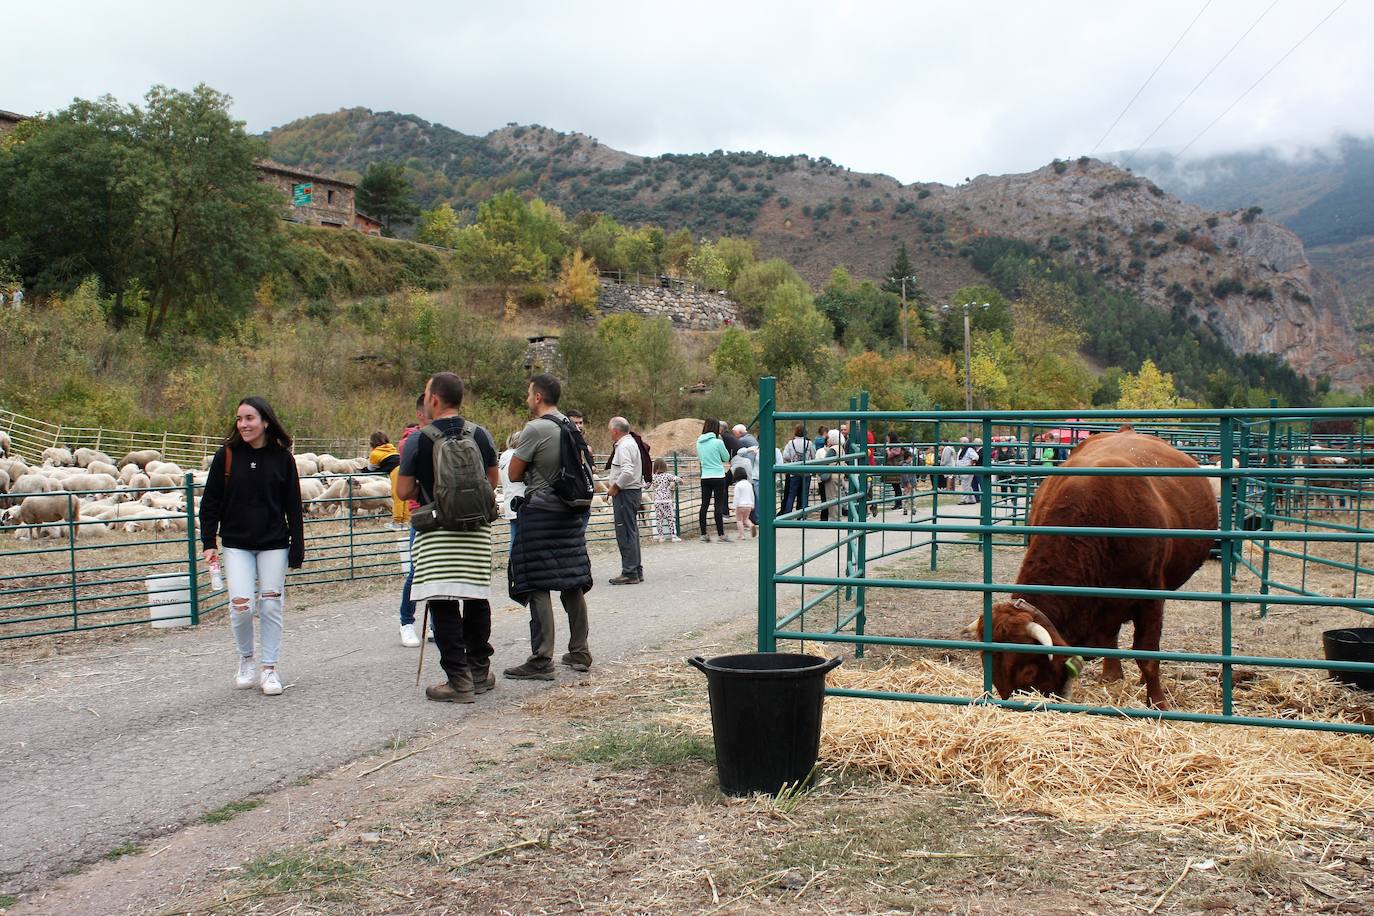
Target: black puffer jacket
550	550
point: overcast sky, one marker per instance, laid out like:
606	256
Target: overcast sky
922	91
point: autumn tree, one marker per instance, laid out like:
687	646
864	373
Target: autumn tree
578	285
1148	389
735	356
438	226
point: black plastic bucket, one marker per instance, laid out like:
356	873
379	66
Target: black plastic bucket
1354	644
765	716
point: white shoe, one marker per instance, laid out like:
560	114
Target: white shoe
248	674
409	638
395	526
271	684
677	540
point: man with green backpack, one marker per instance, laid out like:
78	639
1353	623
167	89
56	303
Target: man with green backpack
450	467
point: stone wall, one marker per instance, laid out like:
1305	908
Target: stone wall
685	307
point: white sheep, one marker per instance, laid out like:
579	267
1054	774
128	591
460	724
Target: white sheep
170	468
335	490
43	510
14	466
306	466
56	456
102	467
85	483
153	520
170	501
30	484
206	462
311	488
84	457
141	457
5	445
163	480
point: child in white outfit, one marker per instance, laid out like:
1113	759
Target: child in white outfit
665	514
744	503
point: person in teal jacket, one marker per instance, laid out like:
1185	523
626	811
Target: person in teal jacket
714	456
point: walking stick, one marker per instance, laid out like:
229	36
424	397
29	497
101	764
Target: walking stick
424	629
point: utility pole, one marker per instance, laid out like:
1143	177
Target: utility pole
968	369
903	280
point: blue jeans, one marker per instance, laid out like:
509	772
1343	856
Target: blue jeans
256	576
408	606
795	492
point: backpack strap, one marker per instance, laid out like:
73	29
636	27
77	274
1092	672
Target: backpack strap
228	462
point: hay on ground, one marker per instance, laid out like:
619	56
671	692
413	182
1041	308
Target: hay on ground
1226	779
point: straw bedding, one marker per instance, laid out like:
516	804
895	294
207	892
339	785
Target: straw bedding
1224	779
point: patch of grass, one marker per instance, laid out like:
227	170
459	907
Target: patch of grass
1262	866
230	811
8	900
637	745
294	870
127	848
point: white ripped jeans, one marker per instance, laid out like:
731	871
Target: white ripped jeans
260	575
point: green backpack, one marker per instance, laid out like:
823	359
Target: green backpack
463	497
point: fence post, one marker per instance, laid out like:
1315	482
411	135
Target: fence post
192	554
936	481
1227	559
349	488
71	557
1267	519
768	558
861	564
677	499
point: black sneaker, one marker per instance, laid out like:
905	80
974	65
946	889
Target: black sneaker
575	663
528	672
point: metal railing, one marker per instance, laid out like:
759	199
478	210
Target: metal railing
1269	509
29	437
55	579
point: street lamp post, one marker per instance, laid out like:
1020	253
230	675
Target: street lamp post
903	280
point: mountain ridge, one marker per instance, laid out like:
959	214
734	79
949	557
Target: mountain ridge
1244	276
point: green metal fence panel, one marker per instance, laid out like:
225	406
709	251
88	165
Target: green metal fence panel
1288	488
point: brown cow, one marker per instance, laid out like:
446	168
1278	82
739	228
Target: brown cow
1130	562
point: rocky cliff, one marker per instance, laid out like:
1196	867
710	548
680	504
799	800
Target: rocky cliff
1243	276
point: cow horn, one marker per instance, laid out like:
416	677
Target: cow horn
972	628
1040	634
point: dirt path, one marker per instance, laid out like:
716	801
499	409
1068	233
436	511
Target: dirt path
115	746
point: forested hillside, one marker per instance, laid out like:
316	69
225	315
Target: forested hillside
815	215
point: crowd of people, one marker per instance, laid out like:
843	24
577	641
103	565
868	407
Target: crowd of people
450	483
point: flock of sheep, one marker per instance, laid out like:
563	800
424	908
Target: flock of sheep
89	493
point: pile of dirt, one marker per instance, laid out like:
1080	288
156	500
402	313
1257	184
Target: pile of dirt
676	437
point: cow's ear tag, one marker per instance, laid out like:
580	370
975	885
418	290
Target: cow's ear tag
1075	665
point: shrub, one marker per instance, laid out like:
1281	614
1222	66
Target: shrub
1212	222
1183	236
784	202
1250	213
1157	226
1223	288
1058	243
1260	291
923	193
1083	161
1303	298
1060	166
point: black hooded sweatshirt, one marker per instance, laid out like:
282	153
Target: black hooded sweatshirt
259	506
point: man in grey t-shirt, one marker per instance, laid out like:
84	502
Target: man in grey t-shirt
536	462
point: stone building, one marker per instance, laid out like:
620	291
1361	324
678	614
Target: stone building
312	199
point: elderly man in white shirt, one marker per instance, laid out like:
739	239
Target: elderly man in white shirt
625	486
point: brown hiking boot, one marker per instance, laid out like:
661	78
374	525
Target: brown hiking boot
575	663
528	672
446	692
483	680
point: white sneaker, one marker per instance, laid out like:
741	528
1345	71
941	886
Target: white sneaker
409	638
248	674
677	540
395	526
271	684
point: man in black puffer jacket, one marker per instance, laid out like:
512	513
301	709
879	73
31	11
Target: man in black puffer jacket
549	553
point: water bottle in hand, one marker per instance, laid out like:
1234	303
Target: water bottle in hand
216	580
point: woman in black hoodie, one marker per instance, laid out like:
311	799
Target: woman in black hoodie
252	501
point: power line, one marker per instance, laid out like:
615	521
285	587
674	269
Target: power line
1206	4
1201	81
1261	79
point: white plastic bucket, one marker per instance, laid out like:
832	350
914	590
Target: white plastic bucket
169	601
403	547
